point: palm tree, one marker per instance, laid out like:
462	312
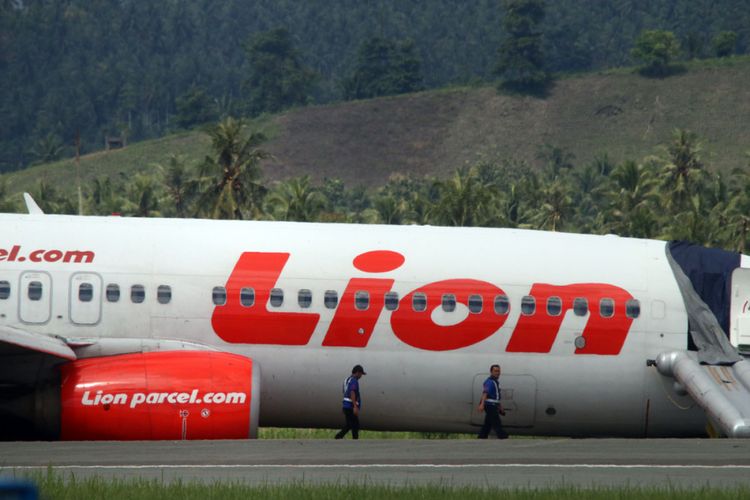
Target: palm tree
342	204
6	204
105	198
233	173
51	201
47	149
697	223
144	193
508	204
463	199
296	200
683	172
391	210
422	208
632	199
556	160
180	184
555	208
417	197
588	195
737	223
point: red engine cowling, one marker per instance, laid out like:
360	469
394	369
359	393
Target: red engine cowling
160	395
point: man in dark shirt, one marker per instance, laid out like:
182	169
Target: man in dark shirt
490	404
352	403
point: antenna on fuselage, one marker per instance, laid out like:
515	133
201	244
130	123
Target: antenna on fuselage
31	205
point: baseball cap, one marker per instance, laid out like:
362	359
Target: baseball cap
359	369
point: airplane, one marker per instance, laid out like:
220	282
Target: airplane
119	328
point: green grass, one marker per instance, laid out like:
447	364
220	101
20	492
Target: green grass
289	433
58	487
117	164
121	164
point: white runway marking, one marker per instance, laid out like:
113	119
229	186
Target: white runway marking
378	466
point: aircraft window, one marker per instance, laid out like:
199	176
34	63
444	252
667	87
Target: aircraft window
361	300
219	295
247	297
277	297
632	308
449	302
502	306
35	290
475	303
391	301
304	298
330	299
554	306
85	292
164	294
607	308
419	302
4	290
528	305
113	292
580	306
137	294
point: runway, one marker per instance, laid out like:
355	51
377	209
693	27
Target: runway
513	463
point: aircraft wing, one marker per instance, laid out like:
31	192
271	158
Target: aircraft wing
35	342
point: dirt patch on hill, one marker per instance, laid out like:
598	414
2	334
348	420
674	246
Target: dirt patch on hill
623	115
366	141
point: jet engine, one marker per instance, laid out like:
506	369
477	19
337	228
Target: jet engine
160	395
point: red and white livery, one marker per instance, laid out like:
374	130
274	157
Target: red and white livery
126	328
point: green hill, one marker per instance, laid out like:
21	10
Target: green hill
617	112
70	68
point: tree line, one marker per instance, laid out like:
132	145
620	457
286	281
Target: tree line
73	69
670	194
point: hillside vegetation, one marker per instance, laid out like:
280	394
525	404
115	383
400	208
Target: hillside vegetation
620	114
616	113
109	67
603	153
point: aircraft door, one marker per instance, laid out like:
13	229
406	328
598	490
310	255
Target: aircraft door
85	298
739	310
518	397
35	297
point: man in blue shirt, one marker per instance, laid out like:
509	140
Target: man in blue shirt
490	404
352	403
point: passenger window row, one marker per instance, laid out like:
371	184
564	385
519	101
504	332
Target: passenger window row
475	303
137	293
35	292
580	307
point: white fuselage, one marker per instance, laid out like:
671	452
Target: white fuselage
559	392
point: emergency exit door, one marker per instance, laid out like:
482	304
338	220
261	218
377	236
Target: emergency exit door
517	395
85	298
35	297
739	310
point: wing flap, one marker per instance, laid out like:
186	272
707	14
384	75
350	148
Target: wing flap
36	342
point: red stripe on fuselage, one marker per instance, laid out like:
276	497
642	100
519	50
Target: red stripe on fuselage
237	324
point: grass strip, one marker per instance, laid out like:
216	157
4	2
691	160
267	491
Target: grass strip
59	487
53	486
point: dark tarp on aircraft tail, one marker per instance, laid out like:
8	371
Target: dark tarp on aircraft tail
710	272
704	276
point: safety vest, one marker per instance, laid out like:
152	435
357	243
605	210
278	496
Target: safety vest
493	398
347	400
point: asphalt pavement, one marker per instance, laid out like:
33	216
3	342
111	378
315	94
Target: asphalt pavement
512	463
